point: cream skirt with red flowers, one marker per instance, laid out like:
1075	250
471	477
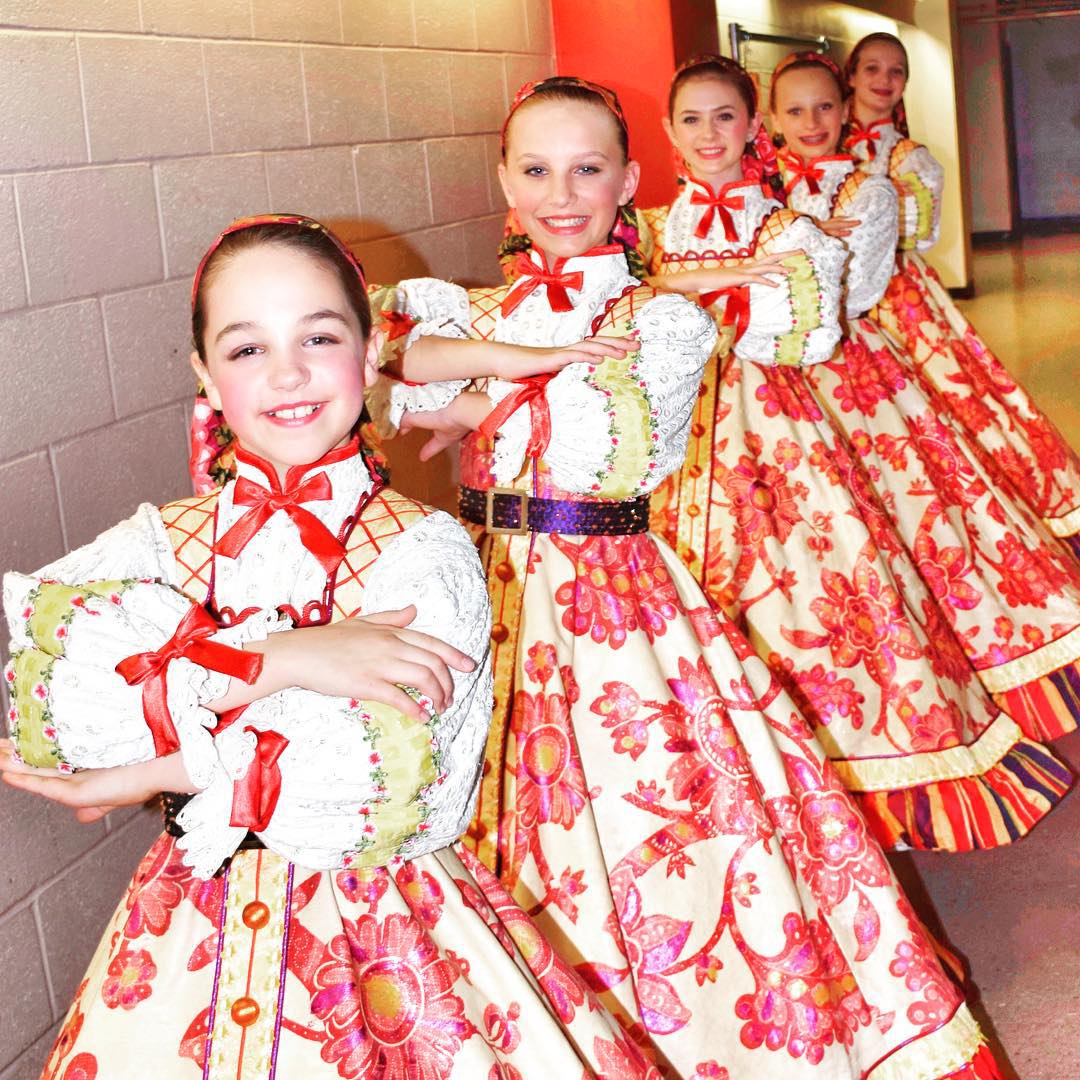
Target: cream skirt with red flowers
1007	588
1016	441
780	522
665	814
420	972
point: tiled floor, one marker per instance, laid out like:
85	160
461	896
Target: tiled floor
1014	913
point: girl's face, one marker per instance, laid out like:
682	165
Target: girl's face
808	112
565	175
878	82
710	127
286	361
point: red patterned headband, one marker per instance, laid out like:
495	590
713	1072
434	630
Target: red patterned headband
240	224
811	57
556	82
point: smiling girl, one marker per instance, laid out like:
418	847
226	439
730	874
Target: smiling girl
651	793
346	937
1016	441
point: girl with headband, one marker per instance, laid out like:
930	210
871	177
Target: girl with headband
344	935
1003	585
650	792
776	516
1014	438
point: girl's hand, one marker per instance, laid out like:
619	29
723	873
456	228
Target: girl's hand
767	270
522	361
92	793
463	415
368	657
839	226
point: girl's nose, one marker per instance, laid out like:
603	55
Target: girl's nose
288	370
559	191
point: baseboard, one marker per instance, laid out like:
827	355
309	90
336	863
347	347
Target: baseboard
1054	226
992	236
962	292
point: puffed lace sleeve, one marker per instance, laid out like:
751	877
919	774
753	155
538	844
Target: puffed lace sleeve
416	308
872	243
920	181
798	322
359	782
138	547
620	427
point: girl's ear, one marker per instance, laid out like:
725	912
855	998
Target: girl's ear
202	373
371	356
845	111
669	130
506	186
630	182
754	128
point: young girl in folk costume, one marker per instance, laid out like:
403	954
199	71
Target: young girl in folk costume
775	515
408	959
652	795
1014	437
1008	590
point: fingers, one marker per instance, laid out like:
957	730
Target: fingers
452	657
89	814
434	446
11	766
55	788
423	670
401	617
396	698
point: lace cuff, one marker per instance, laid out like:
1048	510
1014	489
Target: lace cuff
920	182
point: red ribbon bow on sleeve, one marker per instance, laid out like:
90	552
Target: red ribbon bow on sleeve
736	310
721	203
314	535
256	793
868	135
151	668
532	392
531	277
809	172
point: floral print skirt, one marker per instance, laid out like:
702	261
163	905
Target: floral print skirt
424	971
787	534
1017	442
668	818
1007	588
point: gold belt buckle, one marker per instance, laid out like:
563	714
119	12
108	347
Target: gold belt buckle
489	511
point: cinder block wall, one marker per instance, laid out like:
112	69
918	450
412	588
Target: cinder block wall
130	132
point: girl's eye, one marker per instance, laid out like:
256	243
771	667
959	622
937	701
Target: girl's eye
534	170
794	111
320	339
243	351
827	106
589	170
689	119
726	118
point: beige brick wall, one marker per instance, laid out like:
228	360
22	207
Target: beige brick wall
130	132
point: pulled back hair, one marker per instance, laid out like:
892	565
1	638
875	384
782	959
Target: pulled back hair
880	37
569	88
759	160
315	242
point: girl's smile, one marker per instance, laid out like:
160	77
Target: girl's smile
285	357
565	174
710	127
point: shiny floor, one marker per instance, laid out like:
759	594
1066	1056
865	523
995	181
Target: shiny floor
1014	913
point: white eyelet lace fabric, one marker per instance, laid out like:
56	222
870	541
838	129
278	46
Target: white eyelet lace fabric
828	258
328	773
684	216
872	244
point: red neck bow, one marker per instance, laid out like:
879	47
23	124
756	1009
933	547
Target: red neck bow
871	134
531	277
314	535
189	641
722	204
809	171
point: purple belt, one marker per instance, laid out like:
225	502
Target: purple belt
507	510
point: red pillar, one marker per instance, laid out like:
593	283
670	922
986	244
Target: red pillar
627	45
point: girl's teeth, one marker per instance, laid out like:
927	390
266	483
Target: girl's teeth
561	223
294	414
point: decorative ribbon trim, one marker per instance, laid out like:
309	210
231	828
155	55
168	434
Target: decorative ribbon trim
811	172
736	310
532	392
932	766
256	793
938	1054
871	134
314	535
189	641
1034	665
531	277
